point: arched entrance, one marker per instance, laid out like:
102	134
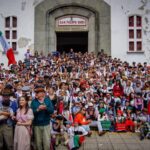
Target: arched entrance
93	37
71	32
71	14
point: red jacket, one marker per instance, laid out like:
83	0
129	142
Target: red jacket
80	119
117	91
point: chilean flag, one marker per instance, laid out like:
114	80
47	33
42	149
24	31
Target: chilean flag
8	50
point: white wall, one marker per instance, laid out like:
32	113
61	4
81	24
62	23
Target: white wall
24	10
120	10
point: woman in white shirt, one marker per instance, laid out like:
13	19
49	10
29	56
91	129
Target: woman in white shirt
128	88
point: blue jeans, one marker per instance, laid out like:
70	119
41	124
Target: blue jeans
86	127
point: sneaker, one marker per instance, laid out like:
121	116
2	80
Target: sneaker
89	133
137	131
142	138
101	133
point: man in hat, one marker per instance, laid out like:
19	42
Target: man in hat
76	107
7	108
26	90
42	108
57	129
145	131
92	114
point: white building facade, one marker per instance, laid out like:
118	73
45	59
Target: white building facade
127	26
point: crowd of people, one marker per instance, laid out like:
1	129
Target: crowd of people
61	98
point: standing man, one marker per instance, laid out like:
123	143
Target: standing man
27	54
6	124
42	108
71	53
27	58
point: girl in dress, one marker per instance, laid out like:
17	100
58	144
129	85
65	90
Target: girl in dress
118	89
24	119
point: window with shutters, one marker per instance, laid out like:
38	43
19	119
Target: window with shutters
11	31
135	33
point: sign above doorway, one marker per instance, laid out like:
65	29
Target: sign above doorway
72	21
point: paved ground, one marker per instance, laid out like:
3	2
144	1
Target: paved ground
114	141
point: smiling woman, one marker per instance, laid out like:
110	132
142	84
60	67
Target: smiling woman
23	130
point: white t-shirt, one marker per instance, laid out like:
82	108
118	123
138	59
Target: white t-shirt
71	131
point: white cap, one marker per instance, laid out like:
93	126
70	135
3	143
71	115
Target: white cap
90	104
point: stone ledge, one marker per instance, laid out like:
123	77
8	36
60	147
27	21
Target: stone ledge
135	52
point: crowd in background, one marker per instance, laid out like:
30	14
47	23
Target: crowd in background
61	98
